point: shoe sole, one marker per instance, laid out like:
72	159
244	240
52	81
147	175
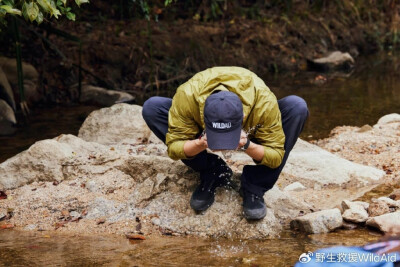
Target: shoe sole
254	217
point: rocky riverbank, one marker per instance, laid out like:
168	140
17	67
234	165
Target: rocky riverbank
115	177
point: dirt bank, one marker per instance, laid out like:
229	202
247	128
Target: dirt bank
147	58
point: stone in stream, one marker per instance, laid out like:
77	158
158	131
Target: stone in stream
390	202
378	208
385	223
6	91
390	118
31	78
103	97
7	119
355	212
318	222
334	61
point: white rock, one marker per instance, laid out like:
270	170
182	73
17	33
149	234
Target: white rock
319	222
310	162
117	124
53	159
100	96
296	186
386	222
347	204
354	212
390	202
394	117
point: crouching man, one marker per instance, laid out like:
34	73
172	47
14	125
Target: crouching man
228	108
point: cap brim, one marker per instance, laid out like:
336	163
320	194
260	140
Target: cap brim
226	141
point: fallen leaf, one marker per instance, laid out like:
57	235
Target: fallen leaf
3	195
112	149
7	226
135	237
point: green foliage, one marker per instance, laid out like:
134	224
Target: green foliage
38	10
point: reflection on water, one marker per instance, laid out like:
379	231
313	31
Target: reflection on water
43	249
44	124
371	92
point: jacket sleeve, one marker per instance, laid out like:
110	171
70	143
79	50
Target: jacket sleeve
271	136
181	125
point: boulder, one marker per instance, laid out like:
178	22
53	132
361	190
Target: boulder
9	66
117	124
119	186
6	112
318	222
50	160
385	223
355	212
103	97
390	202
311	163
6	91
7	119
334	61
30	75
390	118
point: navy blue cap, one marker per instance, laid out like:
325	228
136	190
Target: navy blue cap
223	117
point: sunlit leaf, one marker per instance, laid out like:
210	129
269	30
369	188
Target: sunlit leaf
30	11
39	18
54	11
45	5
11	10
80	2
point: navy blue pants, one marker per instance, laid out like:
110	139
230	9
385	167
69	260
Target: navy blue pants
255	178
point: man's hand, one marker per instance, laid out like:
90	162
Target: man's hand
193	147
201	142
243	139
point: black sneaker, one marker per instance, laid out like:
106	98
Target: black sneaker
253	206
203	197
217	175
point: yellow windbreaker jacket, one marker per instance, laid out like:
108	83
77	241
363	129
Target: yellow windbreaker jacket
262	119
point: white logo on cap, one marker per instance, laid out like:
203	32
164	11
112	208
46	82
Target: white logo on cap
222	125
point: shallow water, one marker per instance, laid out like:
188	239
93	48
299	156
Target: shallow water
43	249
369	93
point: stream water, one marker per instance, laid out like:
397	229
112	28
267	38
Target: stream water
370	92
